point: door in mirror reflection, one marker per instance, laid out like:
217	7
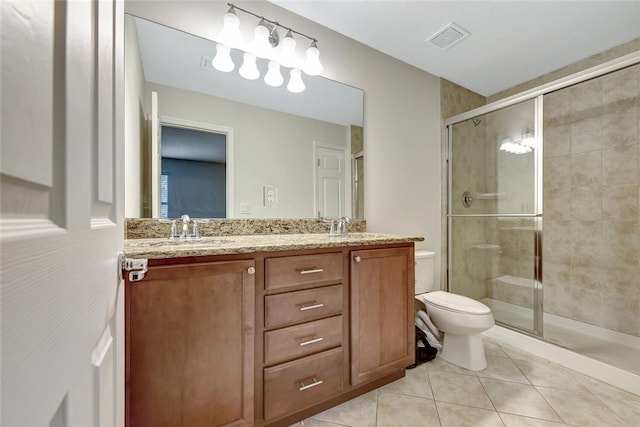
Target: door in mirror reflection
193	173
330	181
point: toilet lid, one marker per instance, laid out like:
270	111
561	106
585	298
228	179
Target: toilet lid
455	302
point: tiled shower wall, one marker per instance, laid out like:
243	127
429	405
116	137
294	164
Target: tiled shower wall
469	170
591	249
454	99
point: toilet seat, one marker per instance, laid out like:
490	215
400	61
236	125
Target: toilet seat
455	303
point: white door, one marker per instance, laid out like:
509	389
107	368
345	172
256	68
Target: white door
61	222
330	181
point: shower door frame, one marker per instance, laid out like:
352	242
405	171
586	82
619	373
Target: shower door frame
538	94
536	216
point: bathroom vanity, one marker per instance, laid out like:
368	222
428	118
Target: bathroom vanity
264	330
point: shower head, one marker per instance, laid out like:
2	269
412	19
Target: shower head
476	122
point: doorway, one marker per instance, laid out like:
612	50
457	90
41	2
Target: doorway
330	179
193	173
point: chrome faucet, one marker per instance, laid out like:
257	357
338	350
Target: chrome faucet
195	228
185	226
338	227
343	225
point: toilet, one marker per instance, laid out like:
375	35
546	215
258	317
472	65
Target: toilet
461	319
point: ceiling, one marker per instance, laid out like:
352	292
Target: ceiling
510	42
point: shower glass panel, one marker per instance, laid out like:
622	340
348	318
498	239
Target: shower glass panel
495	213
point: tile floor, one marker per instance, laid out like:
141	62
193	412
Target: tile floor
516	389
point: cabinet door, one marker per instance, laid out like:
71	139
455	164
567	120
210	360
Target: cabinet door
382	331
190	350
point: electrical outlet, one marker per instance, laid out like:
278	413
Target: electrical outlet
270	193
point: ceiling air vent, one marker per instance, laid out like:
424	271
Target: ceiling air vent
450	35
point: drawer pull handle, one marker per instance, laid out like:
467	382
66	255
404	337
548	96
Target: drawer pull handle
313	340
313	270
314	383
310	306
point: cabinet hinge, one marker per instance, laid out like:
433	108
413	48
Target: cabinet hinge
136	267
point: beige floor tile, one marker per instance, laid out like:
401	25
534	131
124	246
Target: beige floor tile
358	412
516	353
452	415
500	368
315	423
511	420
492	348
398	410
582	409
601	388
415	383
440	365
461	389
518	399
628	410
549	375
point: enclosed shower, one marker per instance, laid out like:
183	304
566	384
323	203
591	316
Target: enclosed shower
543	212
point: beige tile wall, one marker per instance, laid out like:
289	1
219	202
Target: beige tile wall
454	99
591	251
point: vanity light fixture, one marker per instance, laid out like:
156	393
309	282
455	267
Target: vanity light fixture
513	147
296	85
249	69
273	77
266	44
231	35
526	144
222	61
529	139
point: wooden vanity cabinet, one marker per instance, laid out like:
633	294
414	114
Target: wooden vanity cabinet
211	344
382	313
190	345
362	310
305	328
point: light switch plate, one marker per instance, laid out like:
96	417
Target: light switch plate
270	193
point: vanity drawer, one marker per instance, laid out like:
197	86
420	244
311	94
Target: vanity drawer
302	269
296	385
298	306
301	340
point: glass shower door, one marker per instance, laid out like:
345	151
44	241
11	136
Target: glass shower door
495	211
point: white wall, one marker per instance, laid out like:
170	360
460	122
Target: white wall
133	103
270	148
401	113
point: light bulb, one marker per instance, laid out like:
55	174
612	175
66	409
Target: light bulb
231	35
273	76
249	69
296	85
312	66
288	52
261	46
222	60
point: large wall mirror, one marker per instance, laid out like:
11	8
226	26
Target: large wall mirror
212	144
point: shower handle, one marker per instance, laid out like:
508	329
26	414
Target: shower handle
467	199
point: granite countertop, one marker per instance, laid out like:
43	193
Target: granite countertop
226	245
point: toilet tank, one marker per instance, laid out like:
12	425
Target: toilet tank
425	271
